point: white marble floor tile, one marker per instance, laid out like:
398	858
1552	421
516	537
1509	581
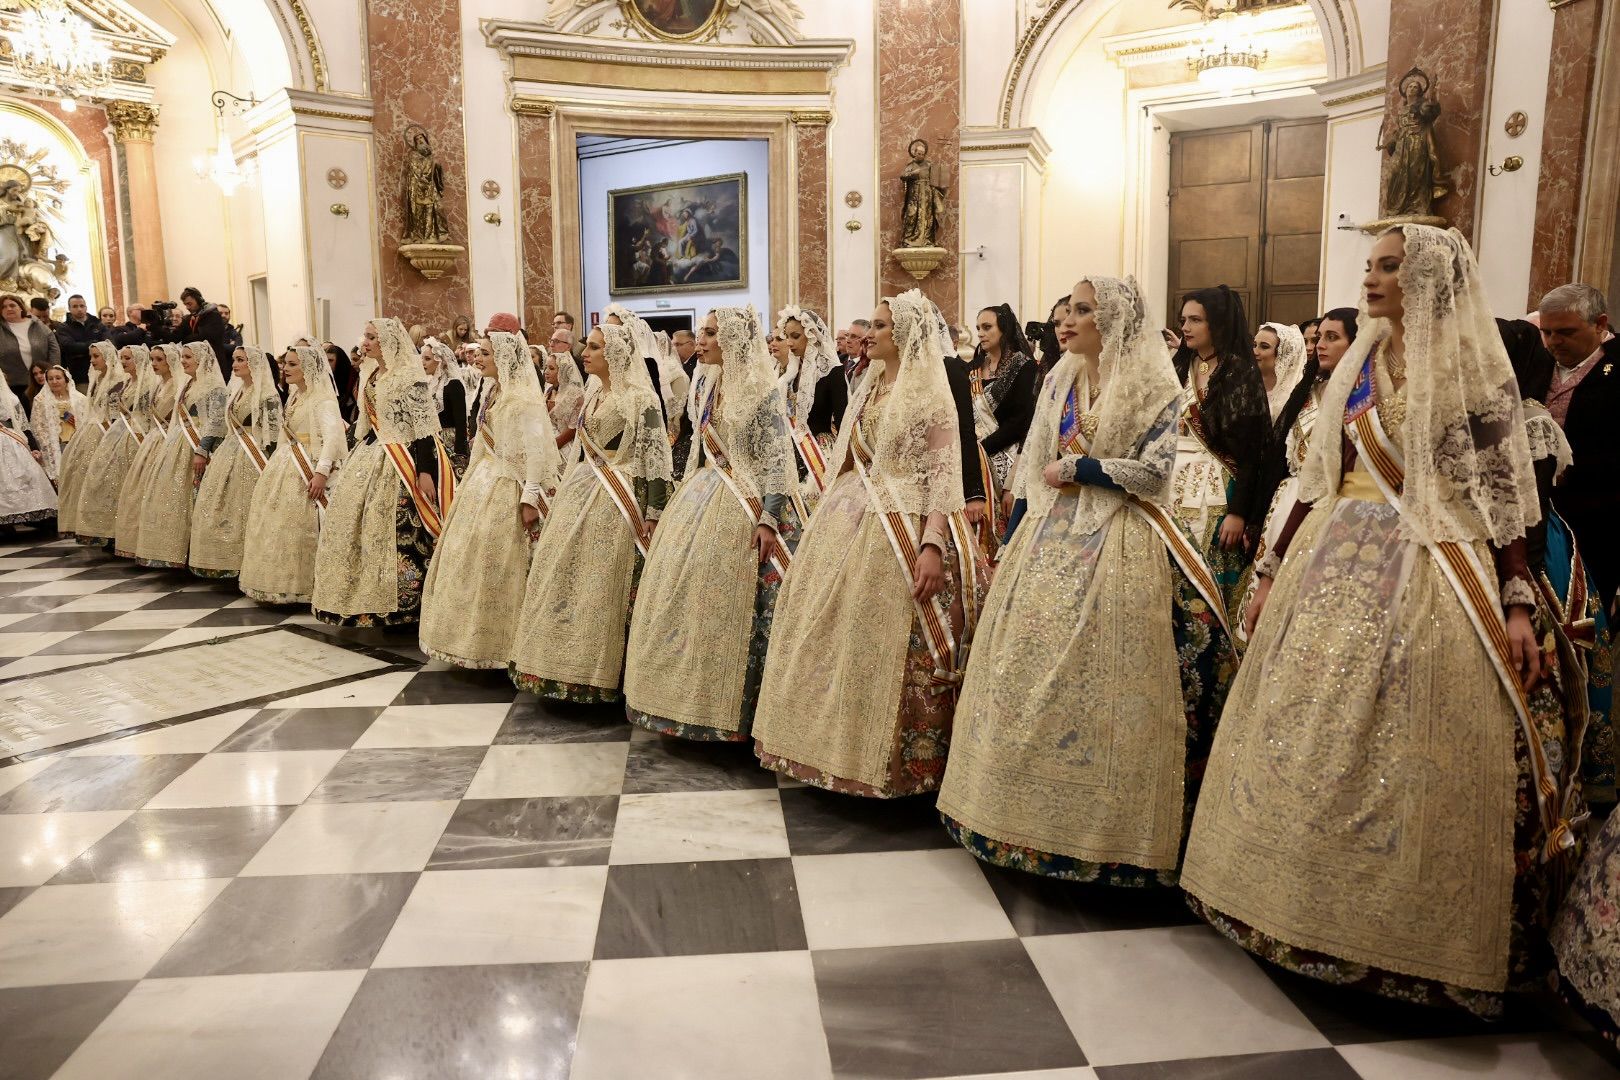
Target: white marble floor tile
734	1017
28	644
246	1027
17	616
192	737
95	933
1552	1056
37	665
896	898
381	690
353	838
191	635
11	564
66	587
532	915
33	847
40	573
524	772
12	775
1077	1073
434	725
158	619
271	778
700	825
1156	995
120	601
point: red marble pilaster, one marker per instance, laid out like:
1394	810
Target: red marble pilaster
1564	132
814	249
415	51
919	45
88	124
1451	41
536	219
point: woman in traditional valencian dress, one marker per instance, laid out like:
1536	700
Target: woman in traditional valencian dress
197	428
1288	376
58	412
95	518
702	618
26	494
1004	377
1098	668
565	395
106	375
1221	448
284	519
1381	797
253	421
817	396
576	607
383	516
159	406
476	580
871	627
450	398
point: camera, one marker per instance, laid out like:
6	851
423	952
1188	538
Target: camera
158	311
1034	331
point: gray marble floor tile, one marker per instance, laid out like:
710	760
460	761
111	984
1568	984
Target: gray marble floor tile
456	686
40	1026
417	775
164	845
662	764
684	909
96	783
1286	1065
11	897
489	834
938	1010
302	729
450	1023
317	922
1041	905
60	620
824	823
532	720
103	642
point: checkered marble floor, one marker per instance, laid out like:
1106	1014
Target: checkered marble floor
426	874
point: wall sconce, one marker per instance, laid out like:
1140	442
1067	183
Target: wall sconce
339	209
493	217
1509	164
852	225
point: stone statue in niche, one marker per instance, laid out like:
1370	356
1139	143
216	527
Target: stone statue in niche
424	192
1412	179
924	183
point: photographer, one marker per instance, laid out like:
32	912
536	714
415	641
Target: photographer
133	330
203	322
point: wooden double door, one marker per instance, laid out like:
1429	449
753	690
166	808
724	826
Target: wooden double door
1246	212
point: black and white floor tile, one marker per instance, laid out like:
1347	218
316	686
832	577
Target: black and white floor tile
422	873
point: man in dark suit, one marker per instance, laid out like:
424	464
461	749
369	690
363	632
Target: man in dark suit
75	334
203	322
1583	395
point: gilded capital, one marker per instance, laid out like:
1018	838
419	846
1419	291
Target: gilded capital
811	117
532	106
132	121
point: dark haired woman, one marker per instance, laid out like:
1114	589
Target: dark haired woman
1050	350
1004	380
343	377
1224	431
1311	330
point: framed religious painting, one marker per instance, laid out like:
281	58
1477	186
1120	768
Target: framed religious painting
680	236
674	20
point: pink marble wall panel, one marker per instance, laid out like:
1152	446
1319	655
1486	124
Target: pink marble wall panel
919	45
812	241
1451	40
415	51
88	123
1563	144
536	223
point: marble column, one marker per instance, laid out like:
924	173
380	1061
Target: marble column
536	217
133	124
415	52
919	47
813	244
1451	40
88	123
1564	133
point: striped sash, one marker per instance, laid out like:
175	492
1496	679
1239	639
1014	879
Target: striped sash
22	439
1186	555
1463	570
188	429
994	523
432	518
752	506
249	447
616	485
301	459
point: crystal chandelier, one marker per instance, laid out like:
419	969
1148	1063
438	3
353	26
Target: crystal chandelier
57	49
221	166
1229	57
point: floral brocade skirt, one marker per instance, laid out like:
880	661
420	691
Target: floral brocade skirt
372	555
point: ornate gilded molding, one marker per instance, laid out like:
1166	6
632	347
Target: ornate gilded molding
317	63
810	117
532	106
132	121
1360	95
331	114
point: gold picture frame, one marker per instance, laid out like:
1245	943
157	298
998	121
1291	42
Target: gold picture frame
649	24
666	214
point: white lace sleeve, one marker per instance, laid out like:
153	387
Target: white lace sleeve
332	446
1147	473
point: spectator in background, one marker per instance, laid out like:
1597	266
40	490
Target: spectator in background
202	321
503	322
107	314
40	309
855	342
23	343
132	331
76	334
576	348
233	332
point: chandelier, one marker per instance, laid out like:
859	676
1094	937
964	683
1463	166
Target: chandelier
221	166
57	49
1229	57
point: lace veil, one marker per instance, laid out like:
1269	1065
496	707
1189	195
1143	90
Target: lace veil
1468	469
318	383
405	409
569	394
803	373
916	458
11	409
203	384
1138	382
102	382
266	419
1290	366
144	384
643	447
518	419
646	347
751	407
45	419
